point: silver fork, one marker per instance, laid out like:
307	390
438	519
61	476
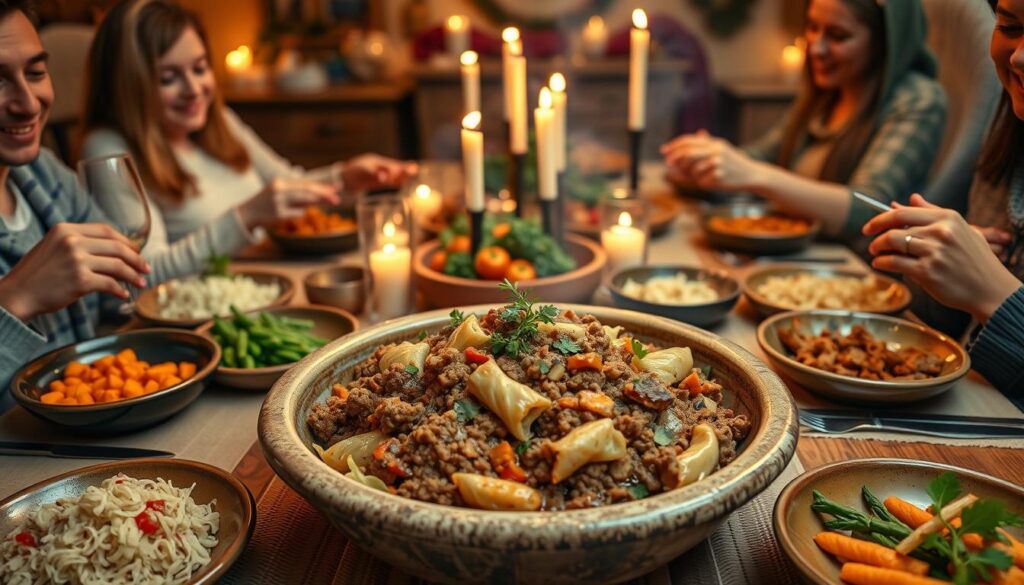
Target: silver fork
834	426
840	423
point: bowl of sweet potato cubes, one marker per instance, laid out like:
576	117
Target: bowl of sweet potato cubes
117	383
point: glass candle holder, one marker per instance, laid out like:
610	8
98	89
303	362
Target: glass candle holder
385	241
625	232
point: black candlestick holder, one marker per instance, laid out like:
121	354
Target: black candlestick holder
635	142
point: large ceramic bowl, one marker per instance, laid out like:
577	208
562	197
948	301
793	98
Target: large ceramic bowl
898	301
796	525
894	331
148	306
316	245
699	314
753	243
234	502
606	544
576	286
151	345
328	323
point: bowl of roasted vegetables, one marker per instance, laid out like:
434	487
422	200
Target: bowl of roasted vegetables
449	275
317	232
862	357
896	521
529	441
756	228
258	346
119	382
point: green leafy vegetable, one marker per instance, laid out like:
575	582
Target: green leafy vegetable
544	368
524	318
943	490
566	345
525	239
459	264
421	336
663	436
466	409
638	349
412	370
638	491
522	447
457	317
217	266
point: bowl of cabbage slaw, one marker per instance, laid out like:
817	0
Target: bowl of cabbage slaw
190	302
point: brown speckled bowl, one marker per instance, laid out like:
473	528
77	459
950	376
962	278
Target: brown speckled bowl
607	544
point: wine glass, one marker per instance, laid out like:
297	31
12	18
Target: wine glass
114	184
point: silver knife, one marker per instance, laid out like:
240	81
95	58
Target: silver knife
77	451
927	424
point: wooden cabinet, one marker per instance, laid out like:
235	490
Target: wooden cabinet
343	121
597	103
748	109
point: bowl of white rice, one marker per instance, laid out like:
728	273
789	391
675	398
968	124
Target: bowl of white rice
189	302
689	294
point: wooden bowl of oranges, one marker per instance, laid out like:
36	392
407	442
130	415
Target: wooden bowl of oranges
117	383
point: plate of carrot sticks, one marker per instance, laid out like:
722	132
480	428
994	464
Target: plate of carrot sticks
900	522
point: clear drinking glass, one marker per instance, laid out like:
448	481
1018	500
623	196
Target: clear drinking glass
624	231
385	240
115	185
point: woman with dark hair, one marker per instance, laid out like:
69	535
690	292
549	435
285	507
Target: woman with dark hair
151	92
869	118
940	251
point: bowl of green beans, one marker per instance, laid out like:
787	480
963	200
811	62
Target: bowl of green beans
258	346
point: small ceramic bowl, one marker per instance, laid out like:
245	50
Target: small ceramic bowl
341	287
317	245
753	243
699	314
894	331
234	502
575	286
899	294
796	524
329	323
151	345
148	306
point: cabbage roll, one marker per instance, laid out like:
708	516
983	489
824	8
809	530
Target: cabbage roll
357	474
489	493
517	405
360	447
405	354
694	464
570	330
669	365
595	441
468	334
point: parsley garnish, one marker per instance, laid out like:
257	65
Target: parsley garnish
422	335
663	436
566	345
521	313
638	349
544	368
466	410
412	370
943	490
638	491
522	447
457	317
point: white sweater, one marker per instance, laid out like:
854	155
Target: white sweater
219	188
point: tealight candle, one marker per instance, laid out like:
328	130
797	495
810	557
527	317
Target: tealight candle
390	268
624	244
594	37
240	68
456	35
791	62
426	204
470	81
639	46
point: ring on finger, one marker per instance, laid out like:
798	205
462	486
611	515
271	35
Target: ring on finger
906	244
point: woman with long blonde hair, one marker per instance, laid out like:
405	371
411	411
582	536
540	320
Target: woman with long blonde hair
151	92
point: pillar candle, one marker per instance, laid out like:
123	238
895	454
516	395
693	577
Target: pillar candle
624	244
470	81
547	171
510	47
558	100
639	46
473	161
390	267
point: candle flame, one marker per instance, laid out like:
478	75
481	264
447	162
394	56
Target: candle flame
625	219
557	82
376	48
423	191
792	54
239	58
389	248
510	34
456	22
389	230
544	100
469	58
472	120
639	18
595	22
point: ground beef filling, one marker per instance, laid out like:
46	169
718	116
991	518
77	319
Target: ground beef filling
438	429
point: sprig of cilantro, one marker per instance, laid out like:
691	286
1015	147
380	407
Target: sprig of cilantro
638	349
412	370
457	317
566	345
466	410
525	318
638	491
522	447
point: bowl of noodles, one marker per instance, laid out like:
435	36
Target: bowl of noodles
799	287
437	448
138	521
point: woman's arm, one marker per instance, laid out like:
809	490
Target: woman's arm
998	351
